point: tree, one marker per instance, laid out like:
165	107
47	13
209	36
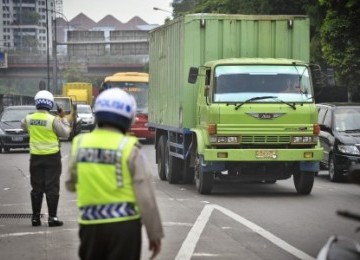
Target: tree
73	73
340	39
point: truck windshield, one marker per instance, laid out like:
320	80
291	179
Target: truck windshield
238	83
139	90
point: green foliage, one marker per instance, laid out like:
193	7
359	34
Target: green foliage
73	73
29	17
334	28
340	39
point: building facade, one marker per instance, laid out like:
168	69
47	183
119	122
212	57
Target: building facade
26	25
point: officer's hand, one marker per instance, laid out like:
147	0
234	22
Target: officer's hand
155	247
61	112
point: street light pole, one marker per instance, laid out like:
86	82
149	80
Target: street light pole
47	46
163	10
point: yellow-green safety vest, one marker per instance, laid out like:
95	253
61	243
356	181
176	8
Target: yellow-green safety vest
105	192
43	139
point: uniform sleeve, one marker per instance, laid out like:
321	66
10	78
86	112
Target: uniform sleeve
71	176
145	194
23	124
61	127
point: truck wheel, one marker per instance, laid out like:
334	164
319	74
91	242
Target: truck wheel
204	180
188	172
160	155
304	182
334	174
172	167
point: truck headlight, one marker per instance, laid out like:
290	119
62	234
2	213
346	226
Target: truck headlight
304	139
224	139
349	149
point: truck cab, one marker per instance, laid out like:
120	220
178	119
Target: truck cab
256	120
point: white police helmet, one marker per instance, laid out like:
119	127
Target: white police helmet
44	99
115	107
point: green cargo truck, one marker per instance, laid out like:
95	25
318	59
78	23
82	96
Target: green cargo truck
231	98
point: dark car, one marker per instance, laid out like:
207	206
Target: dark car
11	134
340	137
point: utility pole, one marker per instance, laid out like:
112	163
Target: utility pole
47	45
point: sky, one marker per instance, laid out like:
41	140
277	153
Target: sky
123	10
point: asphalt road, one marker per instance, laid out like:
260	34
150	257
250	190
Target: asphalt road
237	221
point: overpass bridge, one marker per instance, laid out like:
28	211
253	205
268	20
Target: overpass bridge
25	71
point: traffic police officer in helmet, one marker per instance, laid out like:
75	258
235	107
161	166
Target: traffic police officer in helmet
112	178
45	158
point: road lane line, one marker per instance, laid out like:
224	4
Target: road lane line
266	234
188	246
20	234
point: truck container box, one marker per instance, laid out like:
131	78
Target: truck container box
79	92
194	39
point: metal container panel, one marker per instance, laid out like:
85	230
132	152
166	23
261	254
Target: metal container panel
192	40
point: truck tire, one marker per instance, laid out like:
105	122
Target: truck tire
334	174
304	182
188	172
160	155
172	167
204	180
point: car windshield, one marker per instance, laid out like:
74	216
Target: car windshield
239	83
12	115
64	103
84	109
346	119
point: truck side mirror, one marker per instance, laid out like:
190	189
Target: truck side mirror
193	74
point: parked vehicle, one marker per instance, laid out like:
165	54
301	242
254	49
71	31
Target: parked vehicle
79	92
11	133
217	100
339	137
136	84
86	114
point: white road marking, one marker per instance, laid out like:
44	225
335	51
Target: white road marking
170	224
189	244
35	233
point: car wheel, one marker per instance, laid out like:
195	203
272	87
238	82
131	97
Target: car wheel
304	182
334	174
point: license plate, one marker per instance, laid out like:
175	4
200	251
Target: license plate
17	138
266	154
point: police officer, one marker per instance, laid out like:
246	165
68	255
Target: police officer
45	158
112	178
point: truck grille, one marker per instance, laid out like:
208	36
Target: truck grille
250	139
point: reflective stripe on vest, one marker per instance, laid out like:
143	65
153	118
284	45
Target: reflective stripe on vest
108	211
43	139
104	187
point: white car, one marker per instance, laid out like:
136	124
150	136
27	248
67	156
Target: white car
86	114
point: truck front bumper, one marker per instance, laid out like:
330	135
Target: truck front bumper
263	155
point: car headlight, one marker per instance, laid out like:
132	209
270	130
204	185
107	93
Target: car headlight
349	149
224	139
304	139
